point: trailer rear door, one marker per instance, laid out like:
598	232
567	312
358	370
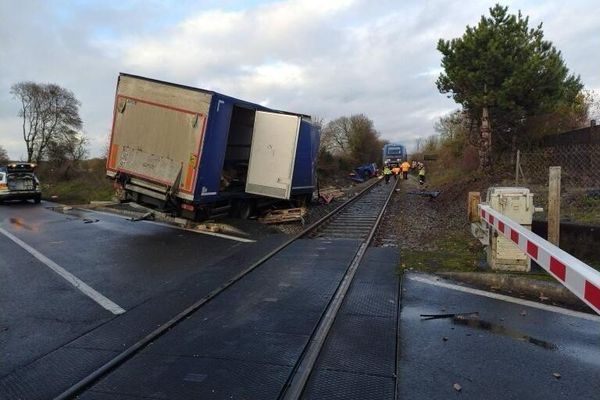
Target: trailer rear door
272	154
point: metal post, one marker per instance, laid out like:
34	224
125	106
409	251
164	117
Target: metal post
554	206
517	167
472	209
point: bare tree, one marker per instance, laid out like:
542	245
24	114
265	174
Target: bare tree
3	156
50	114
353	138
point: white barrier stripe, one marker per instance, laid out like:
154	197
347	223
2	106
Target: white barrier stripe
577	276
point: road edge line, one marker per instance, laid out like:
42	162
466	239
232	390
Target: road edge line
90	292
509	299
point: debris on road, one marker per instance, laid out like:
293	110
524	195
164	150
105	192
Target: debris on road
282	216
457	387
149	216
556	375
328	194
454	315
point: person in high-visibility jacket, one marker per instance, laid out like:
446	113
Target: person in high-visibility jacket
396	171
405	167
387	172
422	175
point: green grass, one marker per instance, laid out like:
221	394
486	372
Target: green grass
459	253
78	191
75	183
585	210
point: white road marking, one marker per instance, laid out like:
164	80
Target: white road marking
496	296
72	279
221	235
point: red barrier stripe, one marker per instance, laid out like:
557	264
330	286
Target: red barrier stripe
592	294
501	226
483	214
514	236
491	219
558	269
532	249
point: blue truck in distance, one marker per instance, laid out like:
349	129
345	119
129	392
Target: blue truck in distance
394	153
195	152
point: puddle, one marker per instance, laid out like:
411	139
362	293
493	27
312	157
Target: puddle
502	330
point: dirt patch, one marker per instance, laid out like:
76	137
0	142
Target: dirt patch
430	228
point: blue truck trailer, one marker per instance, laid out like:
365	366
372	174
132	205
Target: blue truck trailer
194	152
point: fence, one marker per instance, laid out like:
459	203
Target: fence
580	179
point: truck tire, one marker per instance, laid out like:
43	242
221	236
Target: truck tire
247	208
37	199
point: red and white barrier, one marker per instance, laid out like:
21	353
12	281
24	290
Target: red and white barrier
577	276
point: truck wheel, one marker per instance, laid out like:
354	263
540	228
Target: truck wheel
234	208
247	209
37	199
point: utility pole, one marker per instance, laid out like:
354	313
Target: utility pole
485	142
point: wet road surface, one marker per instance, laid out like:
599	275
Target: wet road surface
246	341
510	350
150	271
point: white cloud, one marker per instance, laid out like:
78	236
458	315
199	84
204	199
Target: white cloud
325	58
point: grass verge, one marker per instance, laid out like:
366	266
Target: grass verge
459	253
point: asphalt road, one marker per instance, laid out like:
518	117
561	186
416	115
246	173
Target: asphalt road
510	351
54	331
133	265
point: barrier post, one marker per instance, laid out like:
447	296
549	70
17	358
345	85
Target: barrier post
472	208
554	206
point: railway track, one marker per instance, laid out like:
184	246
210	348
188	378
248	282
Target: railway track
356	220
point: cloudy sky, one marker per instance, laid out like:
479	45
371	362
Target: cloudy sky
326	58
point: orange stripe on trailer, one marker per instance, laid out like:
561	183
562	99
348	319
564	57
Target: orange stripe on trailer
112	159
188	178
189	175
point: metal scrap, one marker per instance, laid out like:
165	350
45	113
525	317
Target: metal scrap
454	315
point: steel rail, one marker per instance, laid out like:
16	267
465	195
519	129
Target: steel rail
300	375
129	352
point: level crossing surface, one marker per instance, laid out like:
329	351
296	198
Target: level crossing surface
247	341
51	333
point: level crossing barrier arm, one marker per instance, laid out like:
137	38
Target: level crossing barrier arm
575	275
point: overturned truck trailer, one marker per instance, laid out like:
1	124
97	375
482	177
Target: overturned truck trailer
195	152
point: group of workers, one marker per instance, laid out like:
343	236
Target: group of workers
405	167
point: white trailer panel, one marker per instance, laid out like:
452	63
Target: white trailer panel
273	154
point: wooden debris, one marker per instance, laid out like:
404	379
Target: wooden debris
327	195
281	216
